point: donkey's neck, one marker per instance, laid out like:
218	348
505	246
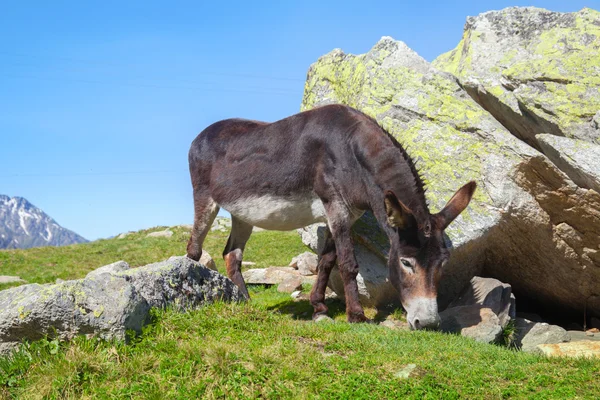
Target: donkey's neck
391	168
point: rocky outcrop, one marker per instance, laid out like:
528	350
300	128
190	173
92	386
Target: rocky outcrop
109	301
578	159
22	225
534	70
528	224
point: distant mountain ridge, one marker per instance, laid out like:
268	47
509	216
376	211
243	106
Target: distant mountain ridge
22	225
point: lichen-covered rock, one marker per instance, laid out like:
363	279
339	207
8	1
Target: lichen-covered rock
103	305
109	269
535	70
109	303
528	224
578	159
180	282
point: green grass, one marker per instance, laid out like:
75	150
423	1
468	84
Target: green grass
267	348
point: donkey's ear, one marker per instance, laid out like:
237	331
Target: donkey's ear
455	205
398	215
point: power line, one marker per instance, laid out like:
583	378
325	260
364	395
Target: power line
275	91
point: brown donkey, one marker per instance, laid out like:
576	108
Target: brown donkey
329	164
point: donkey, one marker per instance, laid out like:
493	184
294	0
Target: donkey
329	164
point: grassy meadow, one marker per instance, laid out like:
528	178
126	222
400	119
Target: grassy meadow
266	348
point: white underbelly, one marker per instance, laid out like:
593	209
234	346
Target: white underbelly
277	213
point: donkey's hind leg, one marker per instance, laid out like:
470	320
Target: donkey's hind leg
240	233
327	260
205	211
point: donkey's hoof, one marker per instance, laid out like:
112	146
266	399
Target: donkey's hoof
322	318
356	318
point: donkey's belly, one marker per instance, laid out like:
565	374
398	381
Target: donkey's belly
277	213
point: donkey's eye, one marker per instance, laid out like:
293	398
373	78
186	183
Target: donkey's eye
406	263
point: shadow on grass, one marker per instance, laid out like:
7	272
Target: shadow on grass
302	310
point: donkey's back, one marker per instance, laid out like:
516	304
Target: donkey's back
270	174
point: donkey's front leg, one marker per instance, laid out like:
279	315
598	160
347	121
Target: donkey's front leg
348	269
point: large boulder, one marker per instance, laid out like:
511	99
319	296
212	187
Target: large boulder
528	224
108	302
535	70
579	159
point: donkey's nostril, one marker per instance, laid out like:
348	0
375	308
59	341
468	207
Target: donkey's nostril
417	324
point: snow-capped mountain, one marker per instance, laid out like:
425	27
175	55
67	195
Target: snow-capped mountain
22	225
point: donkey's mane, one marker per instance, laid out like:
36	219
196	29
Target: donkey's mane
419	187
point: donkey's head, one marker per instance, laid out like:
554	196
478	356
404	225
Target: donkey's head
419	253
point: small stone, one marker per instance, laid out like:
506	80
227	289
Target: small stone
584	348
248	263
290	285
207	261
489	293
323	318
577	336
530	334
476	322
296	294
396	325
166	233
406	372
305	263
10	279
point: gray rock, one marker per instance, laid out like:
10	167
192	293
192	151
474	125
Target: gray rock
305	263
166	233
476	322
207	261
10	279
406	372
180	282
490	293
528	224
535	70
109	269
107	304
124	235
274	276
296	294
529	334
312	236
578	159
221	224
576	336
290	284
323	319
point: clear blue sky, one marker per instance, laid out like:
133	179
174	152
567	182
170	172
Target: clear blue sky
99	103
